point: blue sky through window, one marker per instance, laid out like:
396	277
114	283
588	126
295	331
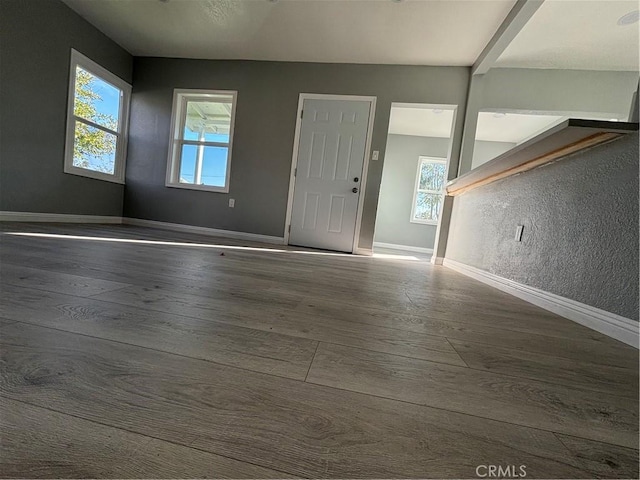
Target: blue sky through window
214	165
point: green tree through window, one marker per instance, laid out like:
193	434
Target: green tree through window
429	190
93	147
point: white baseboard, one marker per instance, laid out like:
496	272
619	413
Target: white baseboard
214	232
363	251
405	248
56	218
437	260
607	323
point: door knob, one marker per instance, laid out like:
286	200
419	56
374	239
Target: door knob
356	179
354	189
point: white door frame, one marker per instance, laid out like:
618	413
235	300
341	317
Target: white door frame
365	164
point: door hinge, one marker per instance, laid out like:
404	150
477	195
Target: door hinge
301	113
289	228
295	172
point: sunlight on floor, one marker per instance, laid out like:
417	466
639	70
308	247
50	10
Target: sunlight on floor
209	245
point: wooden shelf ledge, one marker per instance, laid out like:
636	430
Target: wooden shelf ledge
566	138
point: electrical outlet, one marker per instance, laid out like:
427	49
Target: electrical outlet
519	230
375	155
232	202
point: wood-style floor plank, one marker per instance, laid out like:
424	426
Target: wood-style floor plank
561	409
470	314
429	347
277	423
205	345
55	282
258	350
604	460
40	443
570	372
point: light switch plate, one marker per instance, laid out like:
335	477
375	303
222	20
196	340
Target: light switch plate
232	202
375	155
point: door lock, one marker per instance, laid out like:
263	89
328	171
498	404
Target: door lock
354	189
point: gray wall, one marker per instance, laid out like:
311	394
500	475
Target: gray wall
396	192
264	132
580	218
36	38
573	93
484	151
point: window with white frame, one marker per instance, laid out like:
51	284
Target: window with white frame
429	190
201	139
97	116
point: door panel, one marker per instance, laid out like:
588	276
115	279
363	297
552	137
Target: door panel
333	135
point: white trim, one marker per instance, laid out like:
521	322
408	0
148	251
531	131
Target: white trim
365	164
56	218
368	252
607	323
177	227
178	120
365	170
213	232
437	260
78	59
406	248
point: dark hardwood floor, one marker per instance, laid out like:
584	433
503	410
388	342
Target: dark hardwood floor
138	353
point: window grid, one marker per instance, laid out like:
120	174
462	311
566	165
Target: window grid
176	160
78	63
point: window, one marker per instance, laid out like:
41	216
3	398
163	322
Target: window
97	116
429	191
202	135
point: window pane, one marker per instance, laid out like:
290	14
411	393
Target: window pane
208	120
432	176
204	165
188	164
96	100
427	206
94	149
214	166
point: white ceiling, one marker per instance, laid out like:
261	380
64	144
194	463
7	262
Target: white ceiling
413	32
512	127
577	35
421	121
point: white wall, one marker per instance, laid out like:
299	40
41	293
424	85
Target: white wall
484	151
393	223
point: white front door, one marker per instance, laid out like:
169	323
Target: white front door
328	182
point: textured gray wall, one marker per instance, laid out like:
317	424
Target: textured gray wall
396	192
264	132
36	38
580	218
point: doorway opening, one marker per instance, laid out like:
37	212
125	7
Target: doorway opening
414	176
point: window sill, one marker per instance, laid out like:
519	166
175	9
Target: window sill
203	188
82	172
424	222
